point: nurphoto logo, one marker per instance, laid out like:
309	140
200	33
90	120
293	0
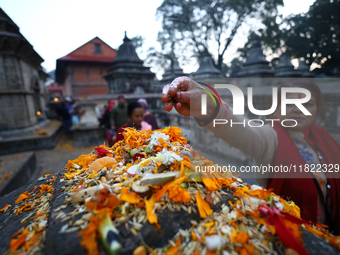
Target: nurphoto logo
238	104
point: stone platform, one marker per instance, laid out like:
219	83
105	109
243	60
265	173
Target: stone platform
84	136
16	170
69	243
43	137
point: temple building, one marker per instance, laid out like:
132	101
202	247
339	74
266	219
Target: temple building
81	72
285	67
207	70
22	79
172	72
303	69
127	74
256	64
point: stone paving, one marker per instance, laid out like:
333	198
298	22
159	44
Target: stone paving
53	160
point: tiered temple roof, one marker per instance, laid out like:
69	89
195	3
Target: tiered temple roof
207	69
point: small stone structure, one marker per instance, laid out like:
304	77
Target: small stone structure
285	67
303	69
127	73
172	72
22	93
87	132
22	90
207	70
256	64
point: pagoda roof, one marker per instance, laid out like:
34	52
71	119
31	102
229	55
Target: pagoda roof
127	52
207	69
85	53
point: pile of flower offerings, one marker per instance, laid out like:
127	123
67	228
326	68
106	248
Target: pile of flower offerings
129	185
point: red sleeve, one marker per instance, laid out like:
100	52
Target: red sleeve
119	135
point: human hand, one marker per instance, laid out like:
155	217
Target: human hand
185	95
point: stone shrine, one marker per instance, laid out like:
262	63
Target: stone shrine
303	69
22	90
127	73
172	72
285	67
22	93
256	64
207	70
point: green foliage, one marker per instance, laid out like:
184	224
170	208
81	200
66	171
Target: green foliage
137	41
233	68
207	27
313	36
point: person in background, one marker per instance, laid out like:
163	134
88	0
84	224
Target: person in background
98	113
135	112
64	115
148	117
105	121
119	114
305	144
74	112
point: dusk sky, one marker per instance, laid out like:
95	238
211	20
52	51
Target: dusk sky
55	28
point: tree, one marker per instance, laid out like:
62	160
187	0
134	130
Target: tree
232	69
138	42
313	36
207	27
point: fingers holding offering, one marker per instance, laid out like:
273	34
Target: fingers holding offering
168	106
183	109
183	95
179	84
165	94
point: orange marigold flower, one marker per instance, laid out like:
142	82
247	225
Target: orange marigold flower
238	237
89	234
174	249
213	181
174	134
159	194
132	198
150	204
291	207
203	207
23	196
79	183
136	138
260	193
16	243
104	199
178	194
82	161
5	207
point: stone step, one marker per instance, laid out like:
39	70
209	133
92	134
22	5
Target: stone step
16	170
17	142
69	243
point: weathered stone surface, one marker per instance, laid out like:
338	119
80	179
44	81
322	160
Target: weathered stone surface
57	243
22	90
9	223
87	136
69	243
16	142
21	167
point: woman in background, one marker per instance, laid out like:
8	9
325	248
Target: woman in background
105	121
135	113
148	117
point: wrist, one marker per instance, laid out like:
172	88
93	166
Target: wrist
204	120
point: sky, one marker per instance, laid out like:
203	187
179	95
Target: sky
56	28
